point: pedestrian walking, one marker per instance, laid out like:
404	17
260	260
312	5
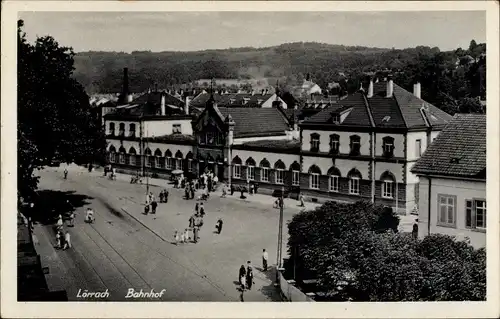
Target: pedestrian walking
146	209
176	237
60	222
242	277
161	196
232	189
301	198
265	257
186	193
166	196
202	210
186	235
224	192
65	173
59	240
191	221
249	278
72	219
251	189
195	234
154	204
197	208
183	238
67	240
218	225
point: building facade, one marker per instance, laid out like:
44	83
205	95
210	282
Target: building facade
362	147
452	187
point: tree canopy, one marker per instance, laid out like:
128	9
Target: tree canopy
355	254
55	120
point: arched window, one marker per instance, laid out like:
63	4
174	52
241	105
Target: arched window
250	163
388	146
112	154
121	155
388	182
147	157
158	158
354	179
236	167
121	130
334	144
131	130
333	179
178	160
295	168
264	170
168	160
314	174
279	175
111	128
314	142
189	158
132	153
355	145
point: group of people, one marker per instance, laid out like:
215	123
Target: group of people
245	277
151	203
63	238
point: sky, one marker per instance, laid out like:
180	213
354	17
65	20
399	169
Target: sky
192	31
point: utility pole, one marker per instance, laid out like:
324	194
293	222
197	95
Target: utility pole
280	236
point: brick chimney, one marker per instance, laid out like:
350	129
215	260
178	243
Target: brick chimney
417	90
186	105
162	105
390	87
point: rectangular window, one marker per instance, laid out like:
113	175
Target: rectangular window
314	181
250	173
418	147
121	158
355	146
334	145
388	149
280	176
314	143
264	174
190	165
446	210
387	189
475	214
236	171
178	163
111	128
131	130
354	186
168	163
176	129
112	157
147	162
157	162
132	160
295	178
333	183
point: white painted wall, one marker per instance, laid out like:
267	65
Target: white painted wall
239	141
412	137
398	144
395	168
269	102
287	159
463	190
434	134
165	127
344	138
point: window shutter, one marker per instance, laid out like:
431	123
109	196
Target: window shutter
468	214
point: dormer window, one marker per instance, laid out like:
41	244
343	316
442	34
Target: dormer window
388	146
259	101
245	100
334	144
355	145
314	142
232	101
386	119
335	118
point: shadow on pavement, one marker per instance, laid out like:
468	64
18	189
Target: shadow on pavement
50	203
269	290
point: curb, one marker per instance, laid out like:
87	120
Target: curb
144	225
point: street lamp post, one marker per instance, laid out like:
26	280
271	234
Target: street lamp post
280	236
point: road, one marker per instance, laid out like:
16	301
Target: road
125	249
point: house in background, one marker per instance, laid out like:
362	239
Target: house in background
452	174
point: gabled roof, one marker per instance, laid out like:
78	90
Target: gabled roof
256	121
155	99
234	99
459	150
401	110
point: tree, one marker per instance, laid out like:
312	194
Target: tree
54	116
354	257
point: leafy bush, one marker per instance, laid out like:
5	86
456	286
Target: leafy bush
354	252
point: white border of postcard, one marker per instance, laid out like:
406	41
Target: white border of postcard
11	308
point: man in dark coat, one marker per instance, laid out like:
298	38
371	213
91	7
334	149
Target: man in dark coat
191	221
219	225
154	204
